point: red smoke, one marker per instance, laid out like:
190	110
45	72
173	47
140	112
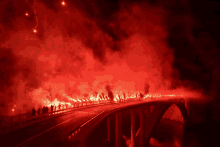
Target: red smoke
74	53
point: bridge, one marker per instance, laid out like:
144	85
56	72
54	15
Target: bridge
149	114
75	127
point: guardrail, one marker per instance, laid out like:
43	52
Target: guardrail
77	129
72	136
20	120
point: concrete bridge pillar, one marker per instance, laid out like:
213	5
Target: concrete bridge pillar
132	128
142	128
118	132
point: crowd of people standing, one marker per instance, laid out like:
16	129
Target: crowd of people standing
44	110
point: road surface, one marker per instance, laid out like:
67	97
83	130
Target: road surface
51	132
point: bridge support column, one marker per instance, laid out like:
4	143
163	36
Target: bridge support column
118	129
142	129
132	128
108	129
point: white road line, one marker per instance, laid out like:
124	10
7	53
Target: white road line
47	130
92	118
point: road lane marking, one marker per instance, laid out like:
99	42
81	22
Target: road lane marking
92	118
47	130
55	127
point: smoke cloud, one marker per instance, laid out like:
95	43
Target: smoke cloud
83	46
193	38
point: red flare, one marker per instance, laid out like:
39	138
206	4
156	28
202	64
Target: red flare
63	3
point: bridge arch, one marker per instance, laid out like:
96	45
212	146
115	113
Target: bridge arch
148	123
154	118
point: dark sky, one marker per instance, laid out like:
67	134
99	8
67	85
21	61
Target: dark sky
197	62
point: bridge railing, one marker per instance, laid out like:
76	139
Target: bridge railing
74	137
18	121
15	121
73	133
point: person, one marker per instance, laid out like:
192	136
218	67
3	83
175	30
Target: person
46	109
141	96
43	111
33	112
38	112
51	108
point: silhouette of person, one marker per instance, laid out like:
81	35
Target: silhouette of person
38	112
46	109
43	111
51	108
33	112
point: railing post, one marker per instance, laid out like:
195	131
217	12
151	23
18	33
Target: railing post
142	133
118	129
132	128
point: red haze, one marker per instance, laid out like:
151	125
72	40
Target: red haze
74	54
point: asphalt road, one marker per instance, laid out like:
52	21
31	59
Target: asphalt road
51	132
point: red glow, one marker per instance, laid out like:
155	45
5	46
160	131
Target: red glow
63	3
70	66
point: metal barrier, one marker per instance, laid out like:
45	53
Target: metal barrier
156	115
76	130
22	120
13	122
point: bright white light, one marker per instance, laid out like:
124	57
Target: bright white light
63	3
26	14
35	31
